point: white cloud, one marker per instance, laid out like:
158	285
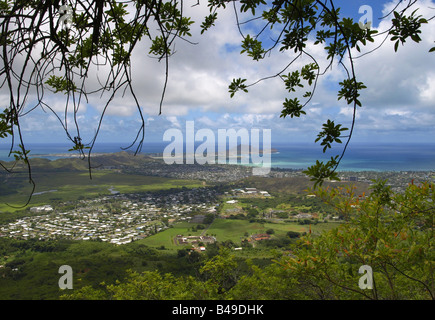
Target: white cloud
251	119
396	78
400	93
174	121
348	112
427	90
207	121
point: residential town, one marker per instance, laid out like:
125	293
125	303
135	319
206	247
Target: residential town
206	172
117	219
123	218
398	181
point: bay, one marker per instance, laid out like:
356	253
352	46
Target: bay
358	156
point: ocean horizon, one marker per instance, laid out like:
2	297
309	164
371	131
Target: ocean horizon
358	156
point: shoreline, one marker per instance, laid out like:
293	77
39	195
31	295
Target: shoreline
273	167
281	160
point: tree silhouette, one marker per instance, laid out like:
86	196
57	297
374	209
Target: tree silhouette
48	49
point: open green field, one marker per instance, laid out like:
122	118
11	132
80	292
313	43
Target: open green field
231	229
66	186
165	238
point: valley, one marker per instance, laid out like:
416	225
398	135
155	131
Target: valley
136	213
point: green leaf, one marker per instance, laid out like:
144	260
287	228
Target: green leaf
209	22
21	154
253	48
350	90
396	45
6	123
330	134
236	85
60	84
292	108
321	171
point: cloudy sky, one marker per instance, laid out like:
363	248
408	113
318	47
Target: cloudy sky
398	105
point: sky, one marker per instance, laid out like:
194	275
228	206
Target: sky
398	105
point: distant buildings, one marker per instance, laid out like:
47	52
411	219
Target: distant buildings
181	239
250	192
303	216
117	219
260	236
45	208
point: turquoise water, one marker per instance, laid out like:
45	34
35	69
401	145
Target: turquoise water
358	157
361	157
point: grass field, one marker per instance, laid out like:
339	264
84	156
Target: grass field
73	185
231	229
165	238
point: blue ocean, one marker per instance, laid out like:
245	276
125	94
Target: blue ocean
358	156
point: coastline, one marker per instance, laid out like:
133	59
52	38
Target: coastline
358	158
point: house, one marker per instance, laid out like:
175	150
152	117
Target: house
46	208
303	216
260	236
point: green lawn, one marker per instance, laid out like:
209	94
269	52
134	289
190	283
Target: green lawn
73	185
230	229
166	237
321	227
223	229
283	228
